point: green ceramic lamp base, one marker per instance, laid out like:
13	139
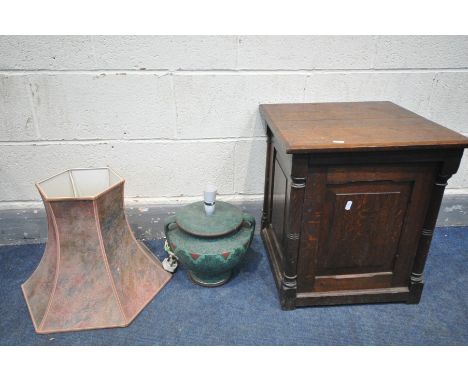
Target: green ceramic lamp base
209	259
210	280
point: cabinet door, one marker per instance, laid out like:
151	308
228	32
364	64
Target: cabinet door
361	226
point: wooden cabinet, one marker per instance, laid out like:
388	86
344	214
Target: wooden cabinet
352	193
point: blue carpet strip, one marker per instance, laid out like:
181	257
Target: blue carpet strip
246	310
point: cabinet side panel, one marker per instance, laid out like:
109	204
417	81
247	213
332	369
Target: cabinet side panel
279	202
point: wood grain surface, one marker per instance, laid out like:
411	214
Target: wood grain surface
351	126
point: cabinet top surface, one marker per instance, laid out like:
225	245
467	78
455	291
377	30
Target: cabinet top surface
355	126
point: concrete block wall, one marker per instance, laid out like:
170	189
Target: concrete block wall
173	112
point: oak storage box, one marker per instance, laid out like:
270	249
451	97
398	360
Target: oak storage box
352	193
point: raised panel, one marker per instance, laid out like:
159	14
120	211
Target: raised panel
361	224
365	221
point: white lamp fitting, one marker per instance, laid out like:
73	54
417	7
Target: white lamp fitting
209	198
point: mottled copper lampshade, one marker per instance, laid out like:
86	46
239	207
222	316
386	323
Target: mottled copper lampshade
94	273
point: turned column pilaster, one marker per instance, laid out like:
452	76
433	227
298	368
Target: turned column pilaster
293	231
416	278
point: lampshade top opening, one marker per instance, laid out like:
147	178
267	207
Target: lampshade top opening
79	183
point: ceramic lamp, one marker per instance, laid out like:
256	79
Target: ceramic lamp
210	247
94	273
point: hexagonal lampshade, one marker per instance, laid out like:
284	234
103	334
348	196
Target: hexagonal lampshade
94	273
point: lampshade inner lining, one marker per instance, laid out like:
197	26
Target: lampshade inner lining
79	183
